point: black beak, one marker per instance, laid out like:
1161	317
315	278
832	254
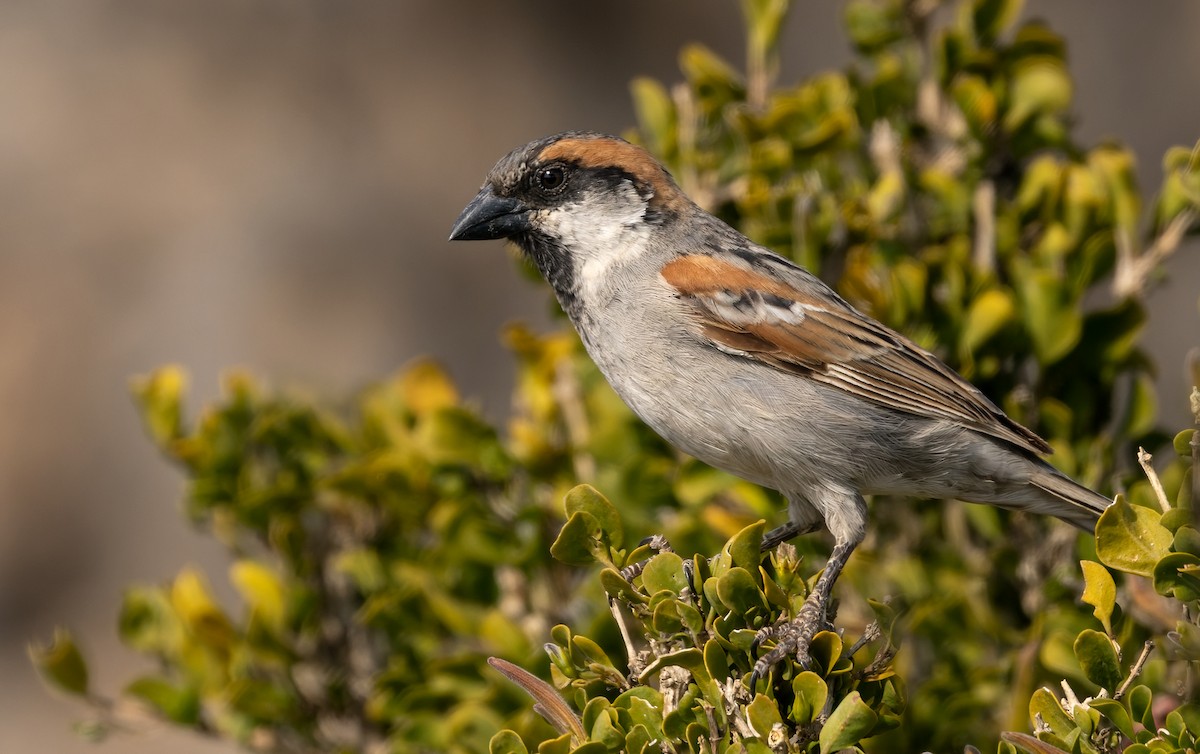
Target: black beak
489	216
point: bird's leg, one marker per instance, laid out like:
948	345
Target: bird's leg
795	635
781	534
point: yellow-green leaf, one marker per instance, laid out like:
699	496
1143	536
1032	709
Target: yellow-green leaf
262	591
1100	592
160	397
988	313
1130	538
848	724
61	663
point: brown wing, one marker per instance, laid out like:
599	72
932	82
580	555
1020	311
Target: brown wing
780	316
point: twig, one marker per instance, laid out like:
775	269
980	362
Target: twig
1144	460
570	400
1134	270
1136	670
623	627
983	206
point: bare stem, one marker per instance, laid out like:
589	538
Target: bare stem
983	206
1144	460
570	400
1134	270
1136	670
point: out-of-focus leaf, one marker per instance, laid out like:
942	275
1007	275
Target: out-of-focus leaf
61	663
427	388
262	591
988	313
160	397
655	114
1053	321
198	611
179	704
507	742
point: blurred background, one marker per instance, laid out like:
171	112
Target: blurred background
269	184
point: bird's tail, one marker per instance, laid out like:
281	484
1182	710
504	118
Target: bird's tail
1074	503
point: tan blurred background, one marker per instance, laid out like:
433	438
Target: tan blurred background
269	183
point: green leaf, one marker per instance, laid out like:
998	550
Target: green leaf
1099	591
560	745
1053	320
1044	706
1028	743
1177	575
262	591
61	663
763	21
1040	86
177	704
716	662
763	714
1187	539
199	612
666	618
1183	443
655	115
1141	706
585	497
604	729
848	724
745	547
507	742
991	17
160	398
1142	411
825	649
578	540
810	695
1098	659
664	572
988	313
738	591
617	587
1116	713
1130	538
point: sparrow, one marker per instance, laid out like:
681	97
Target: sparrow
748	362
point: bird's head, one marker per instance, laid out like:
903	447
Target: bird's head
574	203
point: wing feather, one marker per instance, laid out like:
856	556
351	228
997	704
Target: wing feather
782	316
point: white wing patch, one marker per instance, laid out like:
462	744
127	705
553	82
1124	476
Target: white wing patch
755	308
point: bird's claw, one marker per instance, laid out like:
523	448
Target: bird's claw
792	636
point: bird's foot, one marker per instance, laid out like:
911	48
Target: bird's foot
790	636
658	543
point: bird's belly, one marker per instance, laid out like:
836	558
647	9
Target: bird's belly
728	414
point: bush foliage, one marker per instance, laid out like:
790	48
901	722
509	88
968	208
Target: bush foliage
384	551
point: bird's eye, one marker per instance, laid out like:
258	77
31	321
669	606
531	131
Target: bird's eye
551	178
